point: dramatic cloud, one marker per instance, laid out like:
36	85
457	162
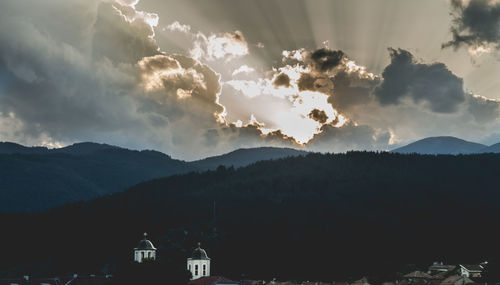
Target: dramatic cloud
278	100
176	26
325	59
226	46
352	88
483	109
476	25
91	70
318	115
110	81
432	84
244	69
248	135
282	80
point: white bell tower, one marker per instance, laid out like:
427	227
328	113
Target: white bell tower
144	251
199	263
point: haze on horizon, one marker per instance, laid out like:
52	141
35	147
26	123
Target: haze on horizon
196	78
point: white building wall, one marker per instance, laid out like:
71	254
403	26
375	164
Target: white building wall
191	266
140	255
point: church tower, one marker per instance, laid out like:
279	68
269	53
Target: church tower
199	263
145	250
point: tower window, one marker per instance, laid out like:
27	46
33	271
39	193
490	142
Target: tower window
204	270
196	270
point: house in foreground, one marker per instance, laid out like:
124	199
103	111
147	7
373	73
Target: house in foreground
472	270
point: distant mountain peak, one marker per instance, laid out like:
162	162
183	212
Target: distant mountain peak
494	148
14	148
441	145
245	156
85	148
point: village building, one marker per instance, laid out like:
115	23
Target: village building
441	268
417	276
471	270
199	263
457	280
145	250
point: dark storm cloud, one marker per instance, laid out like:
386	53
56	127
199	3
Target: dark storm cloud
318	115
306	82
326	59
476	23
432	84
351	89
332	73
345	88
281	80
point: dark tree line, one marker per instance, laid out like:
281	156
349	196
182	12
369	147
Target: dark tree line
316	217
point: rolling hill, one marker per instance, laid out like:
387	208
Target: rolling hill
37	181
441	145
246	156
38	178
11	148
495	148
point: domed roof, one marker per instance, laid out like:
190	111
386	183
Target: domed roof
145	244
199	253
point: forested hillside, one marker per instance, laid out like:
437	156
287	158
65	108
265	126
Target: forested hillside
321	217
33	182
38	178
246	156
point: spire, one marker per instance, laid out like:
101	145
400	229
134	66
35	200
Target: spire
145	235
199	244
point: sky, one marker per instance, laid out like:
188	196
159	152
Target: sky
195	78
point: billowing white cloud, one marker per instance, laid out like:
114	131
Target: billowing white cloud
226	46
243	69
176	26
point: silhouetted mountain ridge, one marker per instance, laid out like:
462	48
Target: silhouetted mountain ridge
11	148
245	156
441	145
85	148
495	148
38	178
